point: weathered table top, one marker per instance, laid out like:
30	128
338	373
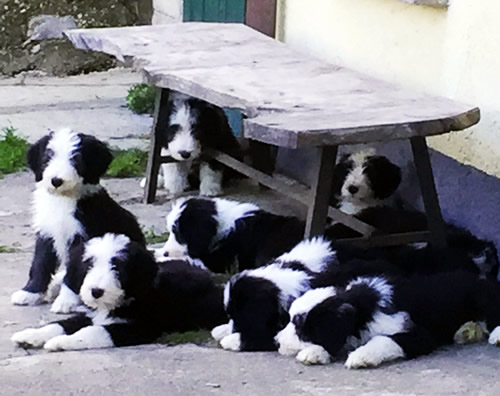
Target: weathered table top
290	99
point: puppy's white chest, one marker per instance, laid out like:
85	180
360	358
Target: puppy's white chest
53	217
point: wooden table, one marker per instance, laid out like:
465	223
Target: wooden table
288	100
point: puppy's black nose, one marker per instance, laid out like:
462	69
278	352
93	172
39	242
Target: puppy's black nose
165	254
185	154
97	293
56	182
353	189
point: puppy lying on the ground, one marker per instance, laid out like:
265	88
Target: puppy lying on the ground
134	299
384	319
219	232
69	207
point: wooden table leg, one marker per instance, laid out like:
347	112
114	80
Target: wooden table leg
159	123
428	189
324	163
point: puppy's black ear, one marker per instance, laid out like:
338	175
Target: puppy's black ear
36	156
138	273
383	175
95	156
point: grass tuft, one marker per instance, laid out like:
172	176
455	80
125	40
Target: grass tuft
141	98
152	237
8	249
128	163
200	337
13	151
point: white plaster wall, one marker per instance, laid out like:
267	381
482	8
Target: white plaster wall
167	11
453	52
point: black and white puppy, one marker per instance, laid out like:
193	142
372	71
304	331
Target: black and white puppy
257	300
385	319
134	299
219	231
194	126
69	207
362	180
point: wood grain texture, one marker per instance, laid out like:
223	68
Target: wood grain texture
289	99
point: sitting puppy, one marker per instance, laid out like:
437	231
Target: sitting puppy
193	126
387	319
134	298
257	300
219	231
70	206
362	180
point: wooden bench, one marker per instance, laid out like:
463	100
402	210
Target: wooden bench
288	100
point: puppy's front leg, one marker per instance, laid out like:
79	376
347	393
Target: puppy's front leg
44	264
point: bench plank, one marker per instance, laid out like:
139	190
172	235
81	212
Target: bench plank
290	100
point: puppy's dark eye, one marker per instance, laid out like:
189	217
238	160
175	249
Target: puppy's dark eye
49	153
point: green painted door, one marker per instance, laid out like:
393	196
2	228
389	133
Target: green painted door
214	10
218	11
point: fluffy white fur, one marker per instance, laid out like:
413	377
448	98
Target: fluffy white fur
210	181
22	297
219	332
378	350
287	339
494	338
91	337
363	198
314	253
230	211
291	283
36	338
184	139
101	275
313	354
231	342
379	284
67	301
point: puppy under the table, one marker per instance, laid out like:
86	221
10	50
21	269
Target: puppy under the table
288	100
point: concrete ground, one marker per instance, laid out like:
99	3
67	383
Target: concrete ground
93	104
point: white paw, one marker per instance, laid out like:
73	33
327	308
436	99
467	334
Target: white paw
494	338
55	286
378	350
313	354
210	190
289	342
219	332
23	297
232	342
159	184
91	337
59	343
66	302
35	338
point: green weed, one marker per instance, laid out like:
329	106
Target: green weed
141	98
13	151
128	163
200	337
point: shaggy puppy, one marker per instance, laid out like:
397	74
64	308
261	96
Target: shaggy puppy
363	180
387	319
134	298
69	207
257	300
218	232
193	126
464	251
